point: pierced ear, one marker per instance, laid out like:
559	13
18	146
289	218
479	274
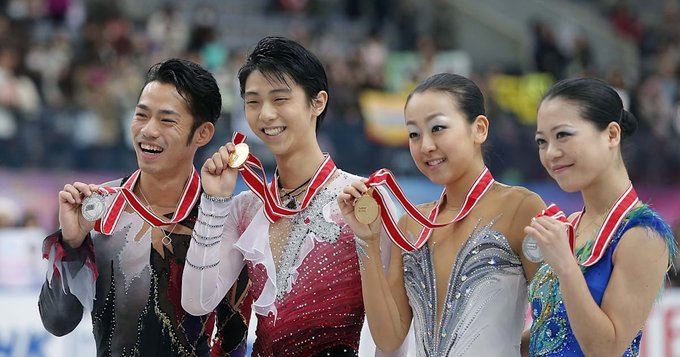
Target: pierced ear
319	103
480	129
204	134
613	131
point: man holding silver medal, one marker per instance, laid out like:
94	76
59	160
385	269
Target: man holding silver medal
122	246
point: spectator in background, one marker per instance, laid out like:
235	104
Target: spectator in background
548	57
626	23
30	220
580	63
51	61
373	55
406	17
8	213
19	104
426	66
617	79
443	31
57	10
167	32
655	110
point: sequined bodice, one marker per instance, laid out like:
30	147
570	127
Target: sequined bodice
137	308
312	300
309	222
483	311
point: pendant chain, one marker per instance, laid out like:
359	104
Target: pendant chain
166	240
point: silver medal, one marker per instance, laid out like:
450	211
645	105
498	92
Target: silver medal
531	250
93	207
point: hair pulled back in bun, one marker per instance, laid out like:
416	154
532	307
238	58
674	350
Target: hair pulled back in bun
598	103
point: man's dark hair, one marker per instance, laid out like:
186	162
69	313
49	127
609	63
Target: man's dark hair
195	84
280	59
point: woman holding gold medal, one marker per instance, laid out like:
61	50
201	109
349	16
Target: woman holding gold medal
464	284
598	286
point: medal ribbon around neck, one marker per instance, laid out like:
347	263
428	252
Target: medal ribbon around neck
106	225
624	204
385	177
255	178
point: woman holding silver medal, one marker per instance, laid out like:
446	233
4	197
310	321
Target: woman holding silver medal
465	283
598	284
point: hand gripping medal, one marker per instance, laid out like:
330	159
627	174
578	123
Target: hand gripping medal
530	247
366	208
93	207
255	178
239	156
617	213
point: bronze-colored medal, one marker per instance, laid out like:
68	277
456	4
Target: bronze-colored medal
366	209
239	156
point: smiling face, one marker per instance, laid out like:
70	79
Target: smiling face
572	149
443	143
160	130
280	113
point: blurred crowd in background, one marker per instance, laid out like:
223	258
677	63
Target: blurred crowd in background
71	72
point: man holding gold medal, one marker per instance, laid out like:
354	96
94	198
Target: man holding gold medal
288	232
121	248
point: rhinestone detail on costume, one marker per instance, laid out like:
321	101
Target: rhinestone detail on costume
311	220
485	260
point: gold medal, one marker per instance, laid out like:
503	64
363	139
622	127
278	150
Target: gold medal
239	156
366	209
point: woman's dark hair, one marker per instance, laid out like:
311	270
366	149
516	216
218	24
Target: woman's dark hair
465	92
597	101
279	58
195	84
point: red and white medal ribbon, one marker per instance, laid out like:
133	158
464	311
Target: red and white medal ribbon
384	177
623	205
107	224
555	212
255	178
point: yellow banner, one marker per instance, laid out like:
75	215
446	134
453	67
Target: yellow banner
520	94
384	117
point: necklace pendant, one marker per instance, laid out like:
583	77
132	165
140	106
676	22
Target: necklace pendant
292	203
166	240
